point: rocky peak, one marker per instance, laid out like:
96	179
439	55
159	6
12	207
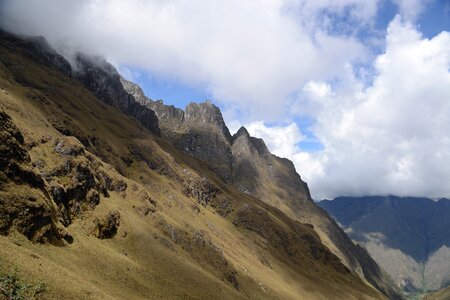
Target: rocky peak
40	50
242	144
84	63
104	81
134	90
243	139
170	117
241	132
260	146
206	113
94	72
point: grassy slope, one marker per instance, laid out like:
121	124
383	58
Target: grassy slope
443	294
143	260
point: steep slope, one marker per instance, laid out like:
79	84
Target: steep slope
246	163
443	294
412	243
96	205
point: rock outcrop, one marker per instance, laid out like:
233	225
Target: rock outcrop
199	130
41	201
40	50
27	207
103	80
106	226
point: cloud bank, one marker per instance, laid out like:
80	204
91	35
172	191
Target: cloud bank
382	118
250	54
391	137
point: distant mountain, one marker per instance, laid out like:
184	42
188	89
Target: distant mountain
408	237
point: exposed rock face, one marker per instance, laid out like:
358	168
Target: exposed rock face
202	190
256	170
134	90
106	227
32	212
199	130
103	80
170	118
41	204
204	135
77	182
39	49
412	243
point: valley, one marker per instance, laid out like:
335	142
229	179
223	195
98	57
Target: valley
408	237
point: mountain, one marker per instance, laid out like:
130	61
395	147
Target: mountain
105	194
408	237
245	163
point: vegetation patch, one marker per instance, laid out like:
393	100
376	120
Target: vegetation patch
14	288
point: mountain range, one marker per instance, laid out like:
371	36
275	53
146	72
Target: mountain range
105	193
408	237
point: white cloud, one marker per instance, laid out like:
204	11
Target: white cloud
391	137
281	140
411	9
252	54
281	59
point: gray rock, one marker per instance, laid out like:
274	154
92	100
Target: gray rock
199	130
104	81
107	226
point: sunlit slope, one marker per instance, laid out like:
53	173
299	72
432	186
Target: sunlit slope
114	212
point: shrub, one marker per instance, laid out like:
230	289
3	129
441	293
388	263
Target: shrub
13	288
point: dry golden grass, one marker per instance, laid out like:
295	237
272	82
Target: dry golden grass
143	261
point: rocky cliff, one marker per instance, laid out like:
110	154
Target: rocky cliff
103	80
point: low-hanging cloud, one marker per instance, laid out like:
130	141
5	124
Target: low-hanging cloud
275	60
249	54
391	137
